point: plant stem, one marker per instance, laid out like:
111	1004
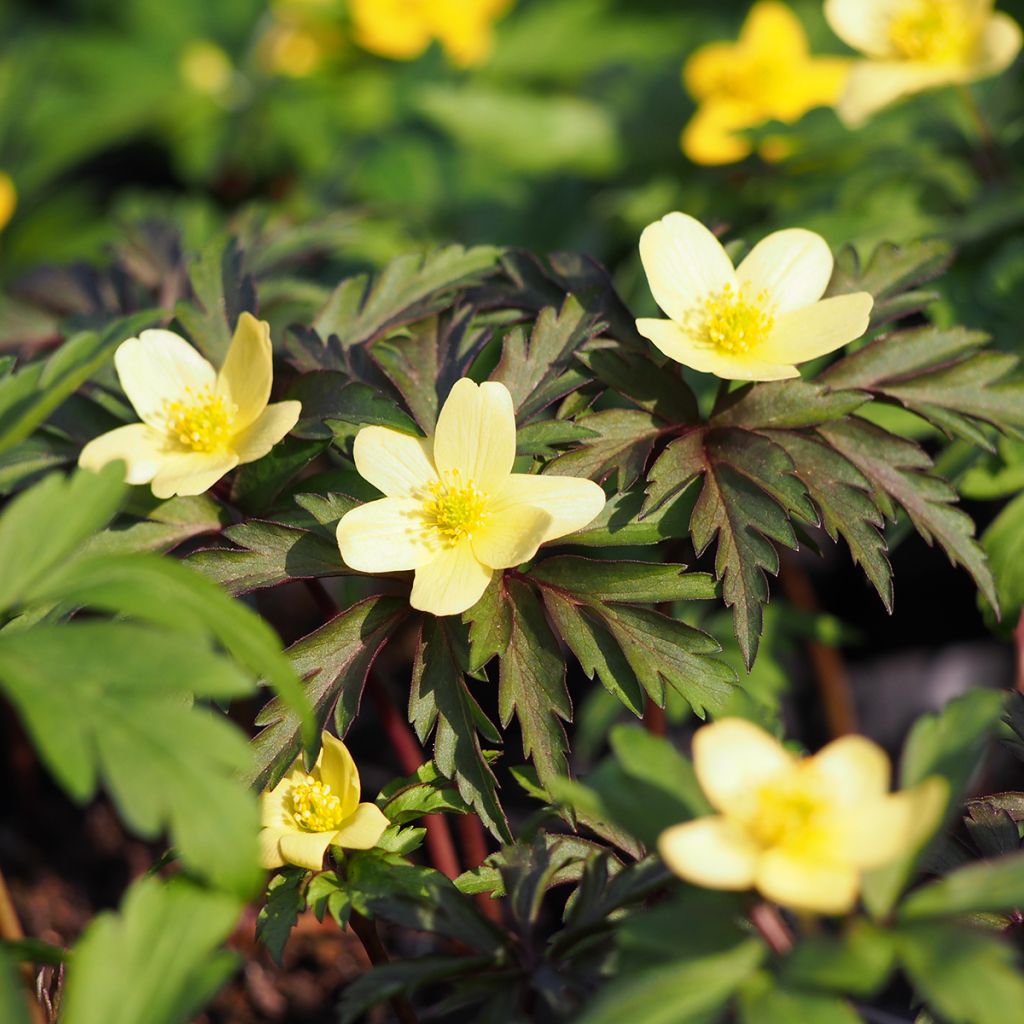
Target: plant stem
654	719
768	921
366	931
988	153
829	670
11	931
410	755
1018	636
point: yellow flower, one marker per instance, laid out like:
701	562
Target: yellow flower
197	424
403	29
206	68
455	512
8	199
308	811
768	75
799	830
751	322
913	45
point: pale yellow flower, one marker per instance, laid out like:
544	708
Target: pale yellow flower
752	322
197	424
206	68
912	45
799	830
455	512
767	75
308	811
8	199
403	29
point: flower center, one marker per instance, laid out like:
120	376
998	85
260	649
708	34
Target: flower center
315	807
934	31
786	808
455	508
201	420
732	322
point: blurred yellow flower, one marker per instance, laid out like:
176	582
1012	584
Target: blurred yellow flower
292	50
197	424
8	199
752	322
403	29
799	830
206	68
912	45
455	512
308	811
768	75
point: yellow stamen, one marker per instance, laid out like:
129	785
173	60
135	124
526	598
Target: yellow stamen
734	323
787	809
315	807
935	31
455	509
201	421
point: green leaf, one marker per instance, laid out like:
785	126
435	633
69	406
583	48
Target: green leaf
114	699
257	484
328	894
440	701
659	390
333	662
30	395
531	683
677	993
749	493
761	1002
223	291
857	962
268	554
13	1007
541	369
1003	542
626	582
786	405
966	976
155	962
328	397
622	442
990	885
409	288
46	525
279	914
619	523
898	469
160	525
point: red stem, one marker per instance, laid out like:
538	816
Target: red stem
1018	636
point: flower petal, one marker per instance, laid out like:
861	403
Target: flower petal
733	758
510	535
339	771
266	430
248	371
138	446
863	24
387	535
305	849
711	137
807	883
711	851
1000	43
476	433
681	346
874	84
793	266
773	29
451	582
818	329
709	69
854	770
270	848
398	465
684	263
191	472
157	367
362	829
571	502
275	804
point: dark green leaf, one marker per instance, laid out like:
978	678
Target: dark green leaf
990	885
627	582
279	914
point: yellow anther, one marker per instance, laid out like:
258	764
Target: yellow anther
455	509
201	420
787	808
731	322
314	807
935	31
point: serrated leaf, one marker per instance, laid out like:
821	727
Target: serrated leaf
540	369
160	526
1003	542
897	469
989	885
409	288
327	396
117	975
440	701
333	662
627	582
787	404
544	438
622	443
280	912
658	389
257	484
619	523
